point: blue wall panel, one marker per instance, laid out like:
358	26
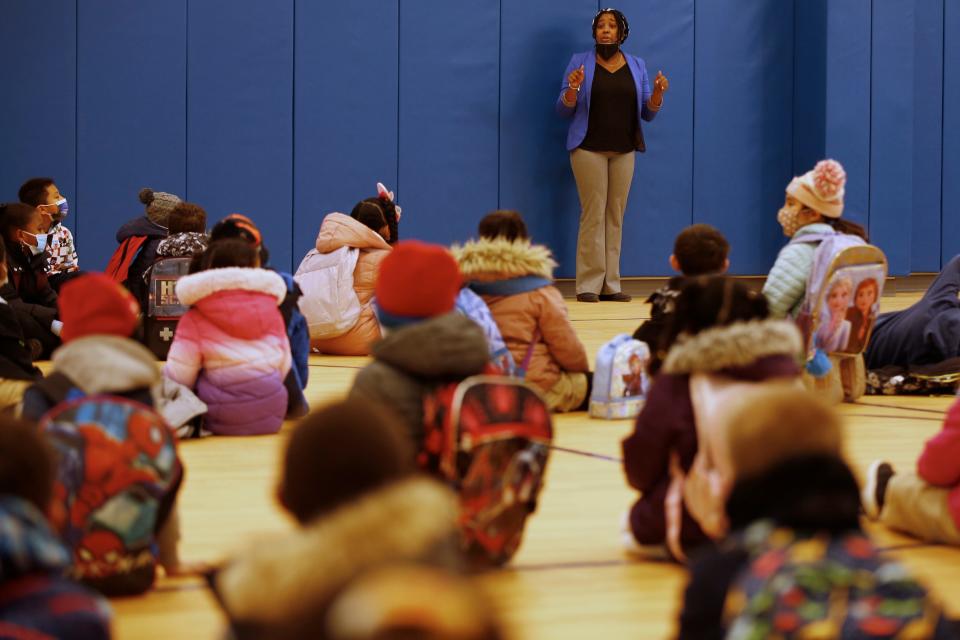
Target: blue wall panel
537	39
743	124
240	115
345	109
131	124
38	46
928	135
661	197
950	231
449	108
891	159
848	100
809	83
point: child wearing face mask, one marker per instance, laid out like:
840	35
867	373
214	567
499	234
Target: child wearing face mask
16	363
27	289
813	207
62	262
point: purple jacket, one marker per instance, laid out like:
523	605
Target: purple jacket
581	112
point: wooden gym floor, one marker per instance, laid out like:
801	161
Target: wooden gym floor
570	578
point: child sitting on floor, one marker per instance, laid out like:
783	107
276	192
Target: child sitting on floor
187	226
17	371
367	233
813	206
924	503
349	481
38	601
426	342
797	563
62	260
699	250
237	226
27	289
720	328
231	346
515	279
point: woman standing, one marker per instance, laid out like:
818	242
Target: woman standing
606	92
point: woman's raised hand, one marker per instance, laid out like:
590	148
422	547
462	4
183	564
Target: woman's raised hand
575	79
660	83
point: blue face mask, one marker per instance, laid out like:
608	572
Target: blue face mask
41	243
62	209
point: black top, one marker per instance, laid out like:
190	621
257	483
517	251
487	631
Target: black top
613	112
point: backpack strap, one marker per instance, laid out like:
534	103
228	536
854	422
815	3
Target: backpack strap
522	369
119	266
56	388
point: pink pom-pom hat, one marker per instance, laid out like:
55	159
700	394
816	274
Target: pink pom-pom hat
821	189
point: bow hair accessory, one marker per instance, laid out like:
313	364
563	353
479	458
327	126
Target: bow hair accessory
383	194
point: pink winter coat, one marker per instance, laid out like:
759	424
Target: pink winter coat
339	230
232	348
939	464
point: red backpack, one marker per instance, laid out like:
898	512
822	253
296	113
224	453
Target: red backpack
489	437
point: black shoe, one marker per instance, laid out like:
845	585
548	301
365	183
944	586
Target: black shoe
588	297
875	489
619	296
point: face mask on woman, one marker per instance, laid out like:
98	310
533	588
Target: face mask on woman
607	51
62	209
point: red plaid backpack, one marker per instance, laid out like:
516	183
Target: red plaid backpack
489	437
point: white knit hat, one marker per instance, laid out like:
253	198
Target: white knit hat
821	189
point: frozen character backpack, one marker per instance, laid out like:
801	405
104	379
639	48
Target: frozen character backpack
117	477
329	303
472	306
803	586
834	348
488	437
164	308
620	382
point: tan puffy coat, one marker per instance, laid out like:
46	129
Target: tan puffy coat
520	315
339	230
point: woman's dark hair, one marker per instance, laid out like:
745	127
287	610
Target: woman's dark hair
848	227
338	454
503	223
714	301
187	217
14	216
27	464
389	210
235	228
370	214
232	252
34	191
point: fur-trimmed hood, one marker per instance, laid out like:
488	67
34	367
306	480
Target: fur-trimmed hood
302	571
195	287
107	364
487	260
736	346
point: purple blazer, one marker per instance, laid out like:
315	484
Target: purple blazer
581	112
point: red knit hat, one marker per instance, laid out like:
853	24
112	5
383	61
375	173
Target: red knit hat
95	304
416	281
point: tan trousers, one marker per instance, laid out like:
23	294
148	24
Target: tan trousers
603	182
568	393
920	509
11	395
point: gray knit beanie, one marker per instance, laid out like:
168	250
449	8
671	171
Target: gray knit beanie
159	205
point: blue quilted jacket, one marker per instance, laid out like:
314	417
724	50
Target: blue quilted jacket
787	282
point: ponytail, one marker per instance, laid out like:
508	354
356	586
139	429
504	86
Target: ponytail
847	227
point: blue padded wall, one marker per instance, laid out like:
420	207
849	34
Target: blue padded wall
534	172
449	108
288	109
848	100
38	47
131	122
928	135
661	198
891	147
743	124
950	215
240	115
345	109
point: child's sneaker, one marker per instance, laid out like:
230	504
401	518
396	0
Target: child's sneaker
875	488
